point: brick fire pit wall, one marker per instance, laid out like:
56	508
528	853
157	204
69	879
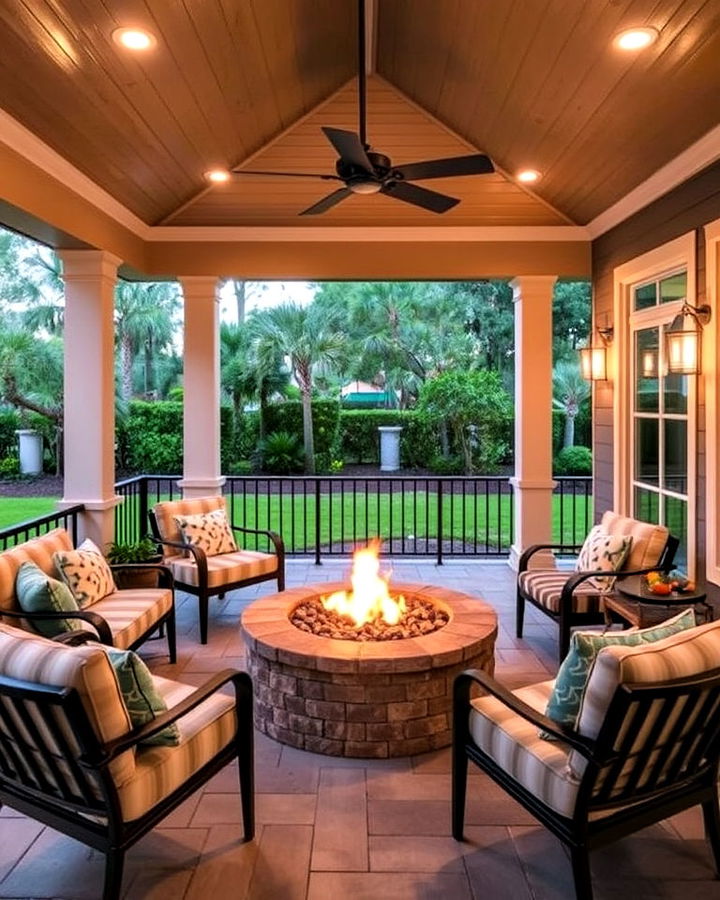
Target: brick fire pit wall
363	699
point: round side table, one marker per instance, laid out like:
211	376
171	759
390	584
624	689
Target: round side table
636	605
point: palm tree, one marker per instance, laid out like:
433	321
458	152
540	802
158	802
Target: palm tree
570	391
143	319
308	339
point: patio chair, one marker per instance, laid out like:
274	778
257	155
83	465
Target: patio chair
69	758
645	746
210	576
124	618
572	598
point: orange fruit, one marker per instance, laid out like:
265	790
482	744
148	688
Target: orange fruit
661	587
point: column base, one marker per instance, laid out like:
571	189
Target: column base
98	521
193	488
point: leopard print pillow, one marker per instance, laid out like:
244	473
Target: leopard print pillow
86	572
209	531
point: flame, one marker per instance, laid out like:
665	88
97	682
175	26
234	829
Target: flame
370	598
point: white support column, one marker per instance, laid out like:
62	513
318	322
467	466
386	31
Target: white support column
533	483
89	390
201	381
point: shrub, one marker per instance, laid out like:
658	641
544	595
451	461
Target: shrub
9	423
287	416
241	467
447	465
282	453
360	441
9	466
573	461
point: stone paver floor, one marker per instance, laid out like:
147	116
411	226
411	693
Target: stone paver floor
330	829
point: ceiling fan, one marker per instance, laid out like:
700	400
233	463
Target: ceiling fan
363	170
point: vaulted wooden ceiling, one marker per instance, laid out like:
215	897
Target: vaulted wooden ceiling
530	82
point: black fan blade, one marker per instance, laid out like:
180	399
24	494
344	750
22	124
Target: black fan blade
288	174
478	164
349	148
418	196
327	202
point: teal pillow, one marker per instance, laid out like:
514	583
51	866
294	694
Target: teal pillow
140	695
36	592
572	677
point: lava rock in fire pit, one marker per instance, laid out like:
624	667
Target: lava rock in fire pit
421	617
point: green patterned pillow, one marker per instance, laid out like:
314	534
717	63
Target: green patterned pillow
86	572
209	531
140	695
603	552
36	592
572	677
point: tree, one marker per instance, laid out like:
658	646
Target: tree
307	338
477	410
143	321
572	311
570	391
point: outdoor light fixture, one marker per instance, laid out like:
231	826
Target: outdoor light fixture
528	176
593	359
649	363
134	38
636	38
682	339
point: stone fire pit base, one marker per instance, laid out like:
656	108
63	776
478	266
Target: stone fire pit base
372	699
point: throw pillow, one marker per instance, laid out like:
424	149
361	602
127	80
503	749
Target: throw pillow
603	552
36	592
209	531
141	698
86	572
572	677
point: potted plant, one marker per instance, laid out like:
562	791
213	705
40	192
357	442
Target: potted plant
131	553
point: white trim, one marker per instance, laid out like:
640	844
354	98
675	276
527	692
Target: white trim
368	233
711	373
696	157
23	142
676	254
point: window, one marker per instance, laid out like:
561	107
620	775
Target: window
655	412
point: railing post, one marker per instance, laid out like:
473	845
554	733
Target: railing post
142	506
317	522
440	522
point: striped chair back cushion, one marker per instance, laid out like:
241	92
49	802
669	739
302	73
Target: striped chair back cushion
689	653
165	511
36	659
648	540
40	551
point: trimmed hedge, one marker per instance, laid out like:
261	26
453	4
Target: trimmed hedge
287	416
360	440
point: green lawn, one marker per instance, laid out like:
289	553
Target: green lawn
485	520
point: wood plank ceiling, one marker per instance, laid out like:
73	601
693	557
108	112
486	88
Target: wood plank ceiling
531	82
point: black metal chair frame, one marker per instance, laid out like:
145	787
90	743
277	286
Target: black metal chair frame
161	625
566	617
690	779
44	793
203	591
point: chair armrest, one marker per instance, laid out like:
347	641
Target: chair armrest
534	548
75	638
273	536
92	618
243	693
166	579
577	578
464	681
197	552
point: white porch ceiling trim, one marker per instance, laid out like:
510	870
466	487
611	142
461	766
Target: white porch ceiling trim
691	161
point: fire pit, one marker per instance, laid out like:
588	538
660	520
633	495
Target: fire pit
363	697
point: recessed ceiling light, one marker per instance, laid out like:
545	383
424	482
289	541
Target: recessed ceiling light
134	38
218	175
528	176
636	38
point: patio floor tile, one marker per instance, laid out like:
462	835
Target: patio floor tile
340	841
375	885
282	865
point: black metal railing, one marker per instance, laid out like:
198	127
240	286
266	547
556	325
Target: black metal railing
325	516
23	531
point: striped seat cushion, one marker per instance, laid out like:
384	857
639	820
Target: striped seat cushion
132	613
160	770
545	587
30	657
515	745
224	569
38	550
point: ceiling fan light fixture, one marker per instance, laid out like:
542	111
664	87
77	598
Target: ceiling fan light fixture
528	176
217	176
134	38
636	38
365	187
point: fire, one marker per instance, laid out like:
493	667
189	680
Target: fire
370	598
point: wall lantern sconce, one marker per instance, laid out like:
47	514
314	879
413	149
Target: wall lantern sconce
649	363
682	339
593	359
